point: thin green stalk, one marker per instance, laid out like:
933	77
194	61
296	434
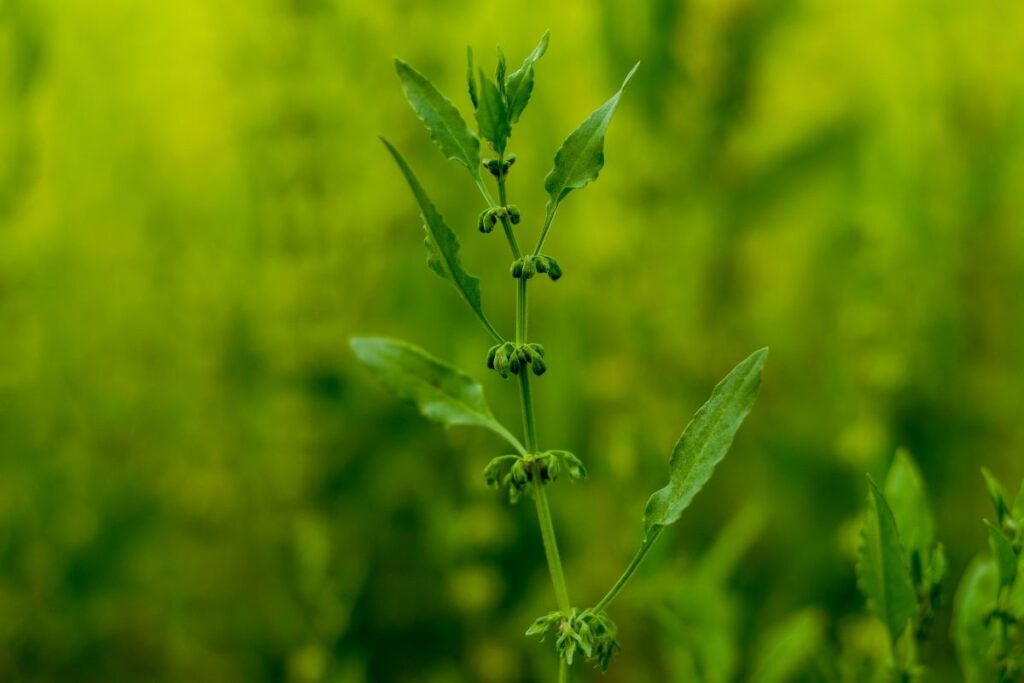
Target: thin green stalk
563	671
645	548
547	530
544	231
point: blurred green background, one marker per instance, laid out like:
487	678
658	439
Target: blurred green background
197	483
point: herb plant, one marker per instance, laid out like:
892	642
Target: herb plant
449	396
900	567
989	609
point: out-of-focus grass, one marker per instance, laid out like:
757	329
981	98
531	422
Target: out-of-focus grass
197	483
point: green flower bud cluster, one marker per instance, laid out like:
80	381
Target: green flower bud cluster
490	217
529	265
592	633
516	472
497	168
508	357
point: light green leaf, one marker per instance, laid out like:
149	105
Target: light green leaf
1002	551
1015	601
998	495
441	392
882	571
581	157
442	245
705	441
492	116
905	493
519	86
1018	506
445	124
788	647
972	634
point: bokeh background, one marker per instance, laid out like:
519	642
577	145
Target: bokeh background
198	483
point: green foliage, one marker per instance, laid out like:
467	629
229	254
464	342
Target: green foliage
1002	551
442	245
492	115
705	441
788	646
519	85
883	571
445	124
972	629
441	392
905	493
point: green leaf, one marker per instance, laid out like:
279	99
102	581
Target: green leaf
442	245
705	441
882	571
519	85
1002	551
581	157
492	116
971	631
1018	506
905	493
445	124
470	77
1015	601
441	392
998	495
788	647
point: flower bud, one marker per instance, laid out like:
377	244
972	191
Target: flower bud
539	367
529	269
517	268
514	214
554	270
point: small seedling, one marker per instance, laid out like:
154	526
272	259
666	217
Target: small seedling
449	396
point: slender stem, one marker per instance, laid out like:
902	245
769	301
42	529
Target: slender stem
645	548
563	671
547	530
529	423
544	231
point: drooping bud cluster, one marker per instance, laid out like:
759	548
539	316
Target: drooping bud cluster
592	633
516	473
497	168
508	357
490	217
529	265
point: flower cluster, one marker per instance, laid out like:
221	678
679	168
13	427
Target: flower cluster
490	217
508	357
529	265
516	472
592	633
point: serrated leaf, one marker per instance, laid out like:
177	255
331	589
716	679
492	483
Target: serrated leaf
788	647
519	85
471	77
1002	551
442	245
997	494
882	571
705	441
905	493
581	157
441	392
973	637
492	116
445	124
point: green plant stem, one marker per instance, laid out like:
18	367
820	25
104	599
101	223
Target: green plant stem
547	530
645	548
550	216
563	671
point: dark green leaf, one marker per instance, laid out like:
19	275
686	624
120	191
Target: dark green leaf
705	441
471	77
581	157
905	493
442	245
998	495
491	116
441	392
882	571
445	124
499	72
1002	551
971	632
519	86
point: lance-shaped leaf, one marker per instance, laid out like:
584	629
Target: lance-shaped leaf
882	570
442	245
1002	551
905	493
705	441
471	77
519	85
441	392
972	631
997	494
1018	506
492	115
581	156
445	124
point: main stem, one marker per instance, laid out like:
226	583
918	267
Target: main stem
547	527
